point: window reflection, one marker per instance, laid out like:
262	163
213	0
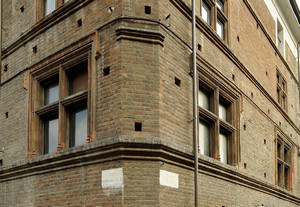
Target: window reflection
49	6
51	93
51	136
78	126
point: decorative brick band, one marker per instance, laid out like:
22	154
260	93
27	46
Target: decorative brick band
141	35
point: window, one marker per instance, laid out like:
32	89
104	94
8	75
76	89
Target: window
281	91
46	7
218	121
283	173
49	6
214	13
280	38
59	105
206	12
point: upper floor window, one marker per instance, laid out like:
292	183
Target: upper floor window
50	6
45	7
59	98
218	121
280	37
284	162
281	90
214	13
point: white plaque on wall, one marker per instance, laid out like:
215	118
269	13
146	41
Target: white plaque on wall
112	178
169	179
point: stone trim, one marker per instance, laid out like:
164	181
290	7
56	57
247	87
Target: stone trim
94	153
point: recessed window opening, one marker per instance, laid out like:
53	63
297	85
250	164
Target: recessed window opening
147	9
1	162
6	115
245	165
138	126
177	82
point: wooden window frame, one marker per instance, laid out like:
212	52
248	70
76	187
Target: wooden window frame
281	91
230	127
64	106
284	159
218	14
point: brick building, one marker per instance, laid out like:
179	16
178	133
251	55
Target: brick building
96	103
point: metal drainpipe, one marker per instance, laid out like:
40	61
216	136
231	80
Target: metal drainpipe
195	114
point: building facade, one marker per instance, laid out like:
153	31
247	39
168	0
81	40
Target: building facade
96	103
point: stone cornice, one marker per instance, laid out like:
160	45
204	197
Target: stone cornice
122	151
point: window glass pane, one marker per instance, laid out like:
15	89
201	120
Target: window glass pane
79	82
278	96
280	38
78	127
286	157
286	177
283	102
206	12
222	112
279	150
223	148
51	93
49	6
51	135
279	173
220	5
220	28
204	139
203	99
277	78
283	86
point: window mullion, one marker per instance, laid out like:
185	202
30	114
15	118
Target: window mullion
216	125
62	112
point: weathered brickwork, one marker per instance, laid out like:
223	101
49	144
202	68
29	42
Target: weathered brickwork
140	65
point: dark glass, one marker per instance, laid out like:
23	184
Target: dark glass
279	173
79	81
286	177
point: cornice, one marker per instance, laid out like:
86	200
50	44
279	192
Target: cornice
72	158
141	35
